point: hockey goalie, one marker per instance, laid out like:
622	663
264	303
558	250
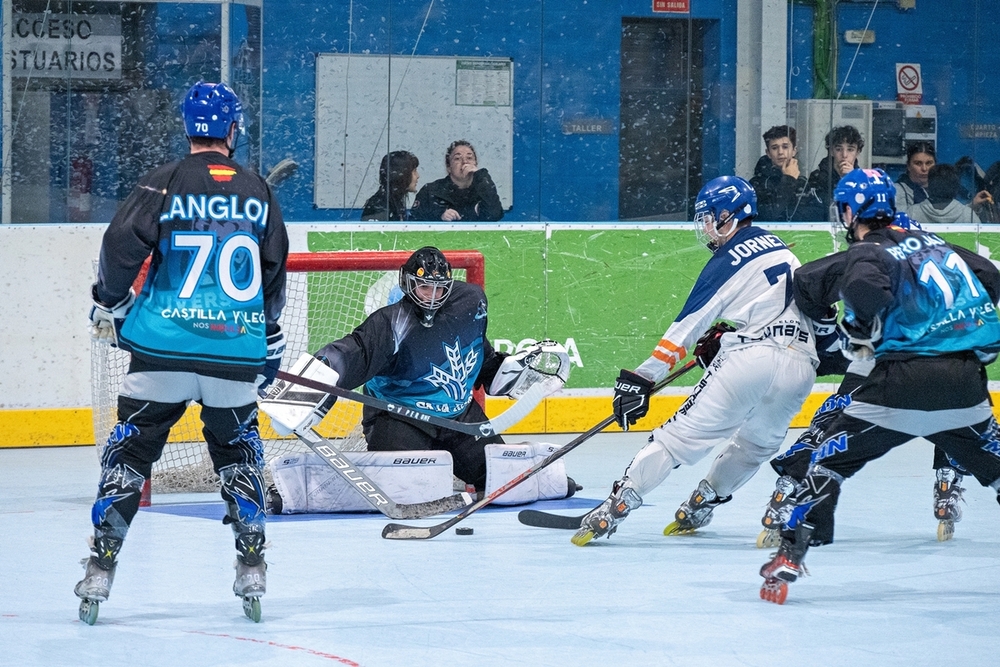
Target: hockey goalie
426	352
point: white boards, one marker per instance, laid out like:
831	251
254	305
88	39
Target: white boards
369	105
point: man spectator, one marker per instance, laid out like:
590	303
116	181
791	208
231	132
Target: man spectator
843	145
779	184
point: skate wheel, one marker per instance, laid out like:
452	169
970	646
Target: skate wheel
251	607
768	539
88	611
774	590
675	528
946	530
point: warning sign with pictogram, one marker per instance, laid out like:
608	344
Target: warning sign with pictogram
909	83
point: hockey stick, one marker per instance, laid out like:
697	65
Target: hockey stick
541	519
281	171
395	531
371	492
531	398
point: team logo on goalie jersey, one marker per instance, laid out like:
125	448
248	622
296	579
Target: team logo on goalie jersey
454	380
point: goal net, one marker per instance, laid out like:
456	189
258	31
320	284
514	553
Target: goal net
328	295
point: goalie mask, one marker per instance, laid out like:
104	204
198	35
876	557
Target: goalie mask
870	196
722	204
426	279
546	362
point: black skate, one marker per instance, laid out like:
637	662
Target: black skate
776	514
272	501
696	511
785	566
947	494
604	519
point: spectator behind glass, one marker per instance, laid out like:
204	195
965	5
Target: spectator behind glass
941	205
397	176
991	184
777	180
843	145
911	187
467	193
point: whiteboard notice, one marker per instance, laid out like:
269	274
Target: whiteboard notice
483	82
369	105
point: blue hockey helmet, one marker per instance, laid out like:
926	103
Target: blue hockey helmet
210	110
906	222
870	196
722	204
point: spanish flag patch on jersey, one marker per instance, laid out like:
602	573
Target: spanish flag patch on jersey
221	173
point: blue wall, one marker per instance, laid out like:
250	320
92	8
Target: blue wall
566	57
952	40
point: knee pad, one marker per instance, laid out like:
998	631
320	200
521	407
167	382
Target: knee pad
118	496
243	491
113	448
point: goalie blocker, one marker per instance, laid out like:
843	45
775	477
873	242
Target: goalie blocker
304	483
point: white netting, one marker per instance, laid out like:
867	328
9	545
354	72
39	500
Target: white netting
322	306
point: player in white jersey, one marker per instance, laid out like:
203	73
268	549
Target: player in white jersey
757	371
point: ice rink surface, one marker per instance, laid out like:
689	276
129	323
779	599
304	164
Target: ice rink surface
886	593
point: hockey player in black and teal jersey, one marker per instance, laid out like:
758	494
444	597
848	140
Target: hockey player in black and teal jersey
925	312
204	328
816	287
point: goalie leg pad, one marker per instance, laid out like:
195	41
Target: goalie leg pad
306	483
504	462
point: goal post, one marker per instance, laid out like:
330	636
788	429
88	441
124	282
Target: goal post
328	294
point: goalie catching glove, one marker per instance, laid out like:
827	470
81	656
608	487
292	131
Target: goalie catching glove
708	346
631	400
294	408
105	321
546	362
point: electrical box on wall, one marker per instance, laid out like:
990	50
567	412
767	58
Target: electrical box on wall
888	133
921	124
812	119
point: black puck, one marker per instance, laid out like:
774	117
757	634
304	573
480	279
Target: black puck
463	531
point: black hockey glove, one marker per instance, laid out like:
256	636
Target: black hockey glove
857	340
631	400
106	321
707	347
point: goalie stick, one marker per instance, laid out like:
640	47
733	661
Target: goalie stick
396	531
531	398
371	492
